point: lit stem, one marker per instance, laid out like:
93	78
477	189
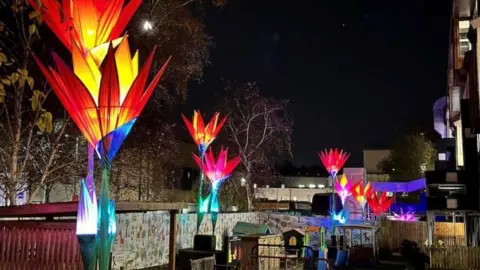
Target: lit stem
104	244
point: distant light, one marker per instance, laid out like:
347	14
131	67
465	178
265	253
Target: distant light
301	186
283	185
311	186
294	198
254	185
267	186
243	182
321	186
393	169
147	26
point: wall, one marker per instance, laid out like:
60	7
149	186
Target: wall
288	194
142	238
296	181
372	157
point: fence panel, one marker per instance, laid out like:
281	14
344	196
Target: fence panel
454	257
26	245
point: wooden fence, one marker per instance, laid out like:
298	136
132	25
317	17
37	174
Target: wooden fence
454	257
392	233
28	245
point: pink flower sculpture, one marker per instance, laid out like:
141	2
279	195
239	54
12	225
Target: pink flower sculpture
333	160
407	216
343	187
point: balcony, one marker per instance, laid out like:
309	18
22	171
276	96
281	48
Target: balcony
445	178
449	204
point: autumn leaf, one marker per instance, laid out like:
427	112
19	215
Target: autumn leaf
45	123
14	77
32	29
2	93
37	99
30	82
33	14
3	57
6	81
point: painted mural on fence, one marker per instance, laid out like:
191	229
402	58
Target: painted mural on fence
142	238
277	223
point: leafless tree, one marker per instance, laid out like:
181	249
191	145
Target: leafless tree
259	127
26	127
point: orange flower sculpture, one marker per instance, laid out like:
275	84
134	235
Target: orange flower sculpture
101	100
379	204
201	134
90	24
333	160
360	193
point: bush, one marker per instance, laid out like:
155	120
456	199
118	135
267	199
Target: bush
413	256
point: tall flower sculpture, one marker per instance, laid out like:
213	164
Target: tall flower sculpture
379	203
90	25
217	172
343	187
404	216
104	102
203	135
333	160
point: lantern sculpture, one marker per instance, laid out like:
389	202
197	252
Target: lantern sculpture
341	216
105	92
333	160
87	226
360	193
217	172
404	216
379	203
203	135
343	187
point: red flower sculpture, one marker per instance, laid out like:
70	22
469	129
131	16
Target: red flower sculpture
92	22
100	108
333	160
201	134
379	204
217	171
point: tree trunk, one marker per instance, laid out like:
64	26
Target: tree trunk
248	186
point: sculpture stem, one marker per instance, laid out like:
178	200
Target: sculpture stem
104	243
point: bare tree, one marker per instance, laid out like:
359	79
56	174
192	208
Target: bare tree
145	164
176	27
260	128
23	116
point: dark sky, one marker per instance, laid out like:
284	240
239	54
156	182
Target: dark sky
356	72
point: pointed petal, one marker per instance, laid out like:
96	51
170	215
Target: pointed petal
125	16
124	67
85	71
148	93
109	17
109	96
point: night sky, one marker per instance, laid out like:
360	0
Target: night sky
357	73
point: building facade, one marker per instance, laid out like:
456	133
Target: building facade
454	186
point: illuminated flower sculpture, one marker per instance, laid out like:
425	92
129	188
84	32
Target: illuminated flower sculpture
104	103
217	172
333	160
404	216
342	187
360	193
341	216
90	24
203	136
379	203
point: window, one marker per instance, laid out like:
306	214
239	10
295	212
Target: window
463	42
